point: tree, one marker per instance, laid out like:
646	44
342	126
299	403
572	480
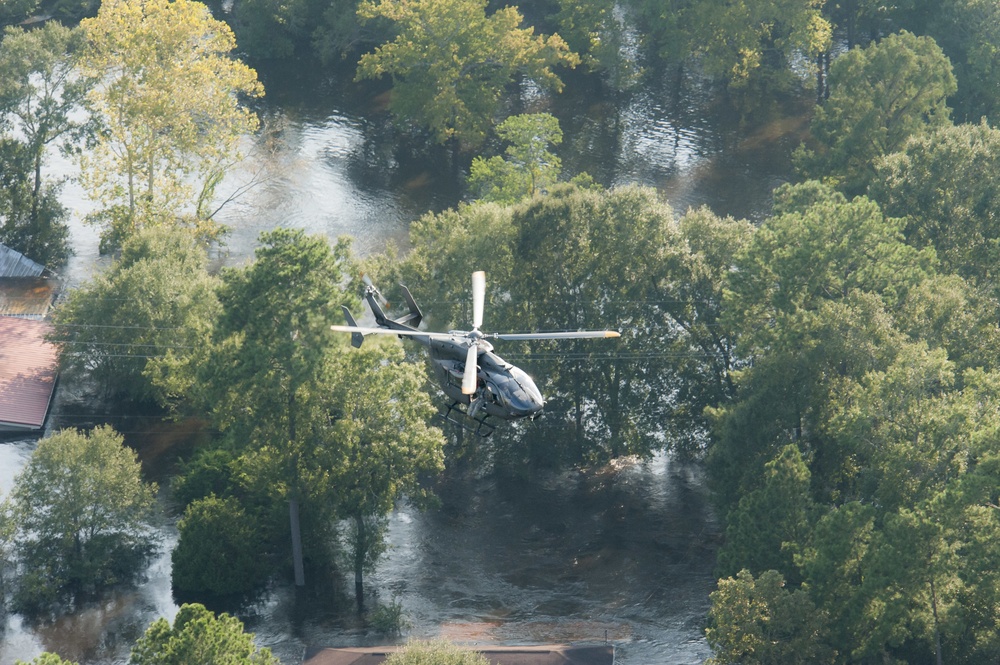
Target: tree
879	97
450	63
198	637
438	652
130	329
381	428
39	93
759	621
592	255
169	100
771	522
46	659
945	185
267	360
220	551
80	510
592	30
529	167
738	41
810	301
15	11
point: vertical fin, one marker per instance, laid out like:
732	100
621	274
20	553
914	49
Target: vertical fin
357	339
414	317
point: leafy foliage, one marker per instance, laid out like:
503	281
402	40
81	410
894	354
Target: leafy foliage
381	430
131	327
221	550
528	168
438	652
39	93
169	99
954	210
450	63
757	621
198	637
880	96
46	659
80	510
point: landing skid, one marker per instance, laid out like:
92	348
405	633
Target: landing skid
457	415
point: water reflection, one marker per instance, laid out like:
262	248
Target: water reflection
624	554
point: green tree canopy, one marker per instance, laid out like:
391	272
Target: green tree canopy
740	40
771	521
39	93
451	62
130	329
528	168
810	301
46	659
880	96
221	550
170	103
381	429
198	637
81	514
263	379
758	621
944	184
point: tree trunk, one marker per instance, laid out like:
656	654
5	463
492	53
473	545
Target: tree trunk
293	517
360	547
293	501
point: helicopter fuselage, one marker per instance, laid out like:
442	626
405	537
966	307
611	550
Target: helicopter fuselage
503	390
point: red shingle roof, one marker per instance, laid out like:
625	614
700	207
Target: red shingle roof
27	373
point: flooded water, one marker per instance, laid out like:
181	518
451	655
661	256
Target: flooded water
623	553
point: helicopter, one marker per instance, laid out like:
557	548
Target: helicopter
479	383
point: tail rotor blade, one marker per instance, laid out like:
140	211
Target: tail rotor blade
478	298
471	370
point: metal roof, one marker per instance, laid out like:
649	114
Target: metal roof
28	366
556	654
16	264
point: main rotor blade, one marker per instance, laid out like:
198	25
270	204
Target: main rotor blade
478	298
387	331
471	370
578	334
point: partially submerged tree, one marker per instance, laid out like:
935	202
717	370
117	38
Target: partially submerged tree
81	511
130	328
268	359
528	167
381	429
39	93
451	63
170	101
199	637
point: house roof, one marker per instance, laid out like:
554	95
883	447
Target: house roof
557	654
15	264
28	365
